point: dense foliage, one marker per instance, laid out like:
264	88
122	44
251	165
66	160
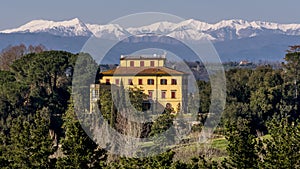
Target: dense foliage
39	127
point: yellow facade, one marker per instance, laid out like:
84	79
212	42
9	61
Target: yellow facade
163	85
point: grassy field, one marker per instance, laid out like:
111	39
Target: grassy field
219	143
214	148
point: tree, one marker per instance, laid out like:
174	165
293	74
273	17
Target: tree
79	149
266	94
163	160
162	123
30	144
85	73
237	86
3	150
204	94
291	80
13	95
45	76
264	104
124	114
241	148
202	162
162	131
12	53
233	112
281	149
36	49
137	97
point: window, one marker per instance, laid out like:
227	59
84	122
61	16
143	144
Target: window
163	81
131	63
130	82
117	81
174	82
107	81
173	94
163	94
142	64
150	94
140	81
95	94
152	63
150	81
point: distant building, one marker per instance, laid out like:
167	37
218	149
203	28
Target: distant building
245	63
163	85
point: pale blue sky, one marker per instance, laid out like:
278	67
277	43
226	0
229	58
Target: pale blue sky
14	13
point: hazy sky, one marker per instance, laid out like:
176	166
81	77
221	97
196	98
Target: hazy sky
14	13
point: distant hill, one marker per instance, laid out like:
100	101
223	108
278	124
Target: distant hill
269	47
71	44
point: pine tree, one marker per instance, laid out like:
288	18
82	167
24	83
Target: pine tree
291	79
79	149
281	149
3	143
30	143
241	147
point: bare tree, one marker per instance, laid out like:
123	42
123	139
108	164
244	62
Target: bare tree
12	53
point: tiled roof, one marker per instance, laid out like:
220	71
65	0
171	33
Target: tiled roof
142	71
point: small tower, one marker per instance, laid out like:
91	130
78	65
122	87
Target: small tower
94	97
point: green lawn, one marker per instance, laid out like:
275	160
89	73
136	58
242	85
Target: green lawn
215	147
219	143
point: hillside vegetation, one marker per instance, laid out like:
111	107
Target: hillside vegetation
39	126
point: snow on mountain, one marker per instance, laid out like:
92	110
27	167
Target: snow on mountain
237	29
72	27
191	35
188	30
192	24
234	24
110	31
224	30
159	27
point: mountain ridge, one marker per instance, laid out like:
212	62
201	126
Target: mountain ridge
189	29
73	27
234	40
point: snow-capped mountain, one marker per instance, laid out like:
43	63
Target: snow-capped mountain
192	24
233	39
190	35
187	30
191	29
159	27
238	29
221	31
110	31
73	27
